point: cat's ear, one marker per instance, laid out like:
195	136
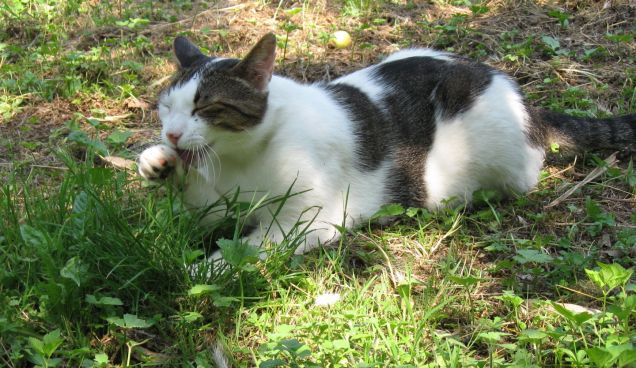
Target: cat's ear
187	53
257	67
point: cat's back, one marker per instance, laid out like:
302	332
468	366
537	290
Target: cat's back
448	124
415	74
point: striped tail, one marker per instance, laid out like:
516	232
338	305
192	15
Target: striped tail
584	134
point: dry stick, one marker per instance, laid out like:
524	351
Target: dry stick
590	75
112	118
450	232
159	81
628	200
160	26
590	224
152	28
50	167
145	354
386	258
570	166
420	247
616	189
119	162
7	362
610	161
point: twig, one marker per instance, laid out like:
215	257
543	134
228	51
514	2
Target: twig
111	118
628	200
7	362
450	232
386	257
604	185
610	161
157	27
159	81
576	291
590	75
51	167
591	224
120	162
151	29
570	166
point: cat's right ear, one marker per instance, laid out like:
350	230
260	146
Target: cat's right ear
186	52
257	67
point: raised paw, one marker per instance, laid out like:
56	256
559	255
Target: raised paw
157	162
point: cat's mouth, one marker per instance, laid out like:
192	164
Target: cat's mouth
189	157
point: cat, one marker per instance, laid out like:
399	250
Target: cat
422	128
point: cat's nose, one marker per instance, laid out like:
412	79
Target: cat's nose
173	137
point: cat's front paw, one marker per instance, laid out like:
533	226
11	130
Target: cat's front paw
157	162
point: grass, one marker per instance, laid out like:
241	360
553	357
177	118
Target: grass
97	269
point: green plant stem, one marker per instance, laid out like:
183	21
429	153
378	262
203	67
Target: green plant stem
238	317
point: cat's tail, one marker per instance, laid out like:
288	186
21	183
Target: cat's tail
583	134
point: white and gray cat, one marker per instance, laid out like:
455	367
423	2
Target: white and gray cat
419	128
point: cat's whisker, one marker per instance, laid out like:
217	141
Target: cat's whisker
209	164
216	156
200	158
204	159
220	167
196	162
206	163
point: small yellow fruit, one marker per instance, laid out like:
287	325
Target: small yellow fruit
340	39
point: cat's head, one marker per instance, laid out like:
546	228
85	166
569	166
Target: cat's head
213	100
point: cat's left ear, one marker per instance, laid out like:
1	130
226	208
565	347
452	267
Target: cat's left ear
186	52
257	67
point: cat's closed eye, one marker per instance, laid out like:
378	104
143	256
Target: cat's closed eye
210	111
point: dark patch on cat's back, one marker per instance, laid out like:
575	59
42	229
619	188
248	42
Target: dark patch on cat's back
419	89
370	126
412	128
463	83
451	85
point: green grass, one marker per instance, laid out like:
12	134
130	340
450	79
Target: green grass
99	270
